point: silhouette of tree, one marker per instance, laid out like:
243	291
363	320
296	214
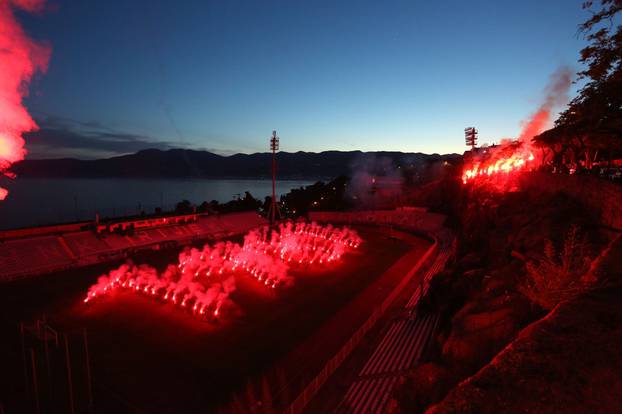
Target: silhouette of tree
591	126
184	207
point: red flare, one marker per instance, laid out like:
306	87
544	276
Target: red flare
268	263
507	165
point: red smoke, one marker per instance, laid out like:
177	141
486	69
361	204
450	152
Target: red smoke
202	280
556	94
517	155
20	59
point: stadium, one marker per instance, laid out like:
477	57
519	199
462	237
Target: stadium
161	252
129	352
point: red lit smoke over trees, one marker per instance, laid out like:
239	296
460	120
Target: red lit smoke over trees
496	163
590	129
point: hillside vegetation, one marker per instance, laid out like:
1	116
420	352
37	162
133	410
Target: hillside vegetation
521	253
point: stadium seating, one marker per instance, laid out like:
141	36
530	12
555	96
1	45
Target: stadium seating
408	218
117	242
84	243
34	255
19	257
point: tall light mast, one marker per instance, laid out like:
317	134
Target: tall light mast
274	208
470	137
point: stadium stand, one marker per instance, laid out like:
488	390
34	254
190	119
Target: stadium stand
414	219
117	242
43	230
405	339
38	254
145	223
25	256
399	350
84	244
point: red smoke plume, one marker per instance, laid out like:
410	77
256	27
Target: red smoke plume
20	59
556	94
516	155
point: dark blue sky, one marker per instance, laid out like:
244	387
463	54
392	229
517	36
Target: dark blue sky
369	75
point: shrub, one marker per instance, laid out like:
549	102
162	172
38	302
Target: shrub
557	275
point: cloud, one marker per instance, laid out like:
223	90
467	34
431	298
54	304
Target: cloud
62	137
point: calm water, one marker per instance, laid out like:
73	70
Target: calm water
44	201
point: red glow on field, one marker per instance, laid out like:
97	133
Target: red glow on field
195	281
21	59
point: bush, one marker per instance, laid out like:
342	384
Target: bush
557	275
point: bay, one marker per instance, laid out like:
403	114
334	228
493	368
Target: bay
35	201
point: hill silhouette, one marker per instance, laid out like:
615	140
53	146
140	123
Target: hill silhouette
203	164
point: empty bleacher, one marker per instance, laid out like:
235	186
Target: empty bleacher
84	243
240	222
40	254
405	339
409	218
35	255
117	241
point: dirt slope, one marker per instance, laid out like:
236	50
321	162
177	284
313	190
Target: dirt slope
569	361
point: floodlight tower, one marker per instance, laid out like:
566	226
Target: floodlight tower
470	137
274	208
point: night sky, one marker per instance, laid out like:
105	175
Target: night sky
328	75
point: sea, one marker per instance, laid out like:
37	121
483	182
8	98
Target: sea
40	201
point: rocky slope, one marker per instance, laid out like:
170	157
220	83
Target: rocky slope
481	297
569	361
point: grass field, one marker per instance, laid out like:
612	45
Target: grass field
155	357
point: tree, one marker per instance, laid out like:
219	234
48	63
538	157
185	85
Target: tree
604	54
184	207
556	141
591	126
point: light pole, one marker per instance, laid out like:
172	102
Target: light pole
470	137
274	208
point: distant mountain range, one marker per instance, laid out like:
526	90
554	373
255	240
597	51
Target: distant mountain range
181	163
